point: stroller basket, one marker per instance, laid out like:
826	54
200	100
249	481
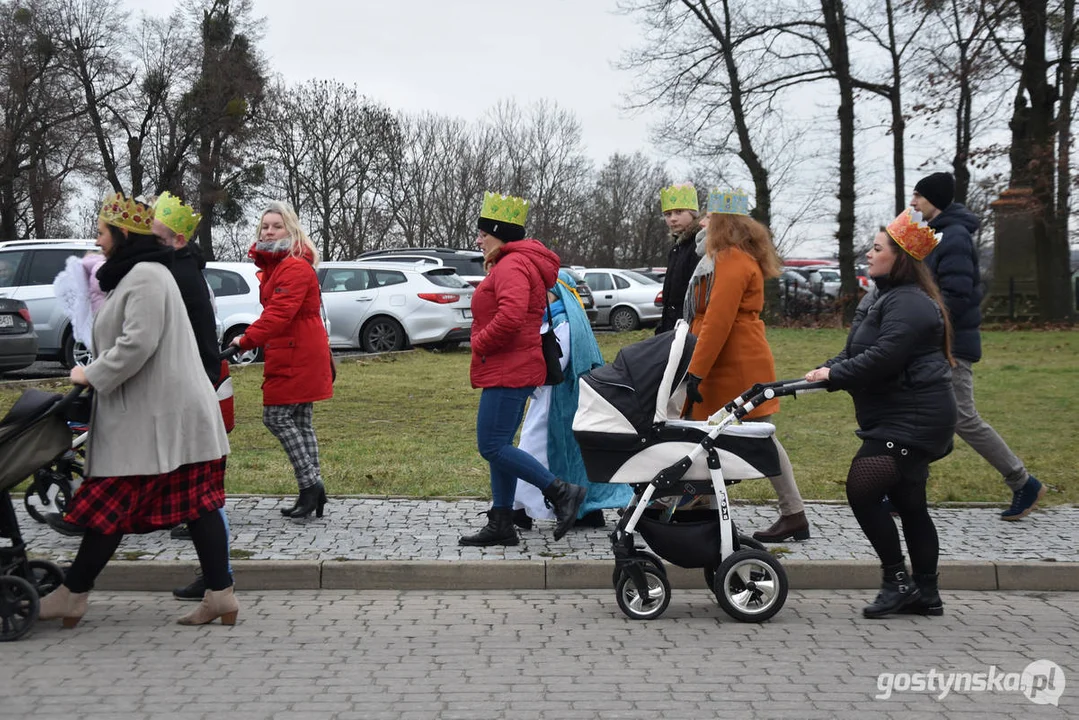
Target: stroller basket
689	540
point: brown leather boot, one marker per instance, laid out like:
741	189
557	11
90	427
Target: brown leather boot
64	604
215	604
787	526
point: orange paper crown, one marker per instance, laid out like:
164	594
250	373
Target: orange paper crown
912	234
127	213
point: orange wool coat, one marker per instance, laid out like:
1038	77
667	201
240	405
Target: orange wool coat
732	352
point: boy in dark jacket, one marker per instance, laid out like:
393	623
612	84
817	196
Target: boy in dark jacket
680	210
954	264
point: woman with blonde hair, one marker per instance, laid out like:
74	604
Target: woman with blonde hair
723	305
297	368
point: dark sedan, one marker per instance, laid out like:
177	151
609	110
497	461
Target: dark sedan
18	341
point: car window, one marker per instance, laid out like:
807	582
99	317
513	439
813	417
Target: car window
225	283
598	281
45	265
382	278
468	265
640	277
404	259
9	267
620	282
446	277
345	280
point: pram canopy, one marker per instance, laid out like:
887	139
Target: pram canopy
33	433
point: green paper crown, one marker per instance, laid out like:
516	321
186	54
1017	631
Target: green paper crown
504	208
176	216
678	197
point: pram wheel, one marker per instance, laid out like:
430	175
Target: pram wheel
647	557
19	606
745	541
636	607
750	585
43	575
58	494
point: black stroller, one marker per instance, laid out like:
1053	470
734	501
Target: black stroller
33	434
627	425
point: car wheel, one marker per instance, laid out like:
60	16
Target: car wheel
382	334
247	356
67	350
623	319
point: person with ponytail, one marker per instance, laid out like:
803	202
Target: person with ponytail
298	366
897	367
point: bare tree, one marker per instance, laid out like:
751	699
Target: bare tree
622	223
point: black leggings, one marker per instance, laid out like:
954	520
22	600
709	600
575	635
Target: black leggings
900	473
207	533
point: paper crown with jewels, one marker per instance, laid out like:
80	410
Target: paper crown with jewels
911	233
678	197
124	212
728	202
504	208
175	215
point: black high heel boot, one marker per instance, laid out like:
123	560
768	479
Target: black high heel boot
565	499
312	499
897	591
289	510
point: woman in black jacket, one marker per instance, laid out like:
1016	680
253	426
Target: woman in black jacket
897	367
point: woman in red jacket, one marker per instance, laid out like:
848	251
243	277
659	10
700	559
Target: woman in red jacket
297	371
508	364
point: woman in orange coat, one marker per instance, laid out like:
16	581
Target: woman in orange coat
723	305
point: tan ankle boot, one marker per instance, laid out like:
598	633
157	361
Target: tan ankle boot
62	603
215	604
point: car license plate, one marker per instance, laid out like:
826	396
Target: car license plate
467	314
7	321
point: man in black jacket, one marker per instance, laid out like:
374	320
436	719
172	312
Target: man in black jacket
954	264
680	208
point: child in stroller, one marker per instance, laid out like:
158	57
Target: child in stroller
33	434
628	427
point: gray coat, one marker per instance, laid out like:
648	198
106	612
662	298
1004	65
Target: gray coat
154	408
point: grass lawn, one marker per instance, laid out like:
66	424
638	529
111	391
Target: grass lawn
404	425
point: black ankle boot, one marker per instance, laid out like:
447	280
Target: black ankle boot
521	519
565	500
896	592
312	499
928	602
499	530
289	510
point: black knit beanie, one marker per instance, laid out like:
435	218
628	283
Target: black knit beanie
504	231
938	189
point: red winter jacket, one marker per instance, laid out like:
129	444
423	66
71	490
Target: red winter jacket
290	331
507	311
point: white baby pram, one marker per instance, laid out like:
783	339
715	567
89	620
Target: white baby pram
628	427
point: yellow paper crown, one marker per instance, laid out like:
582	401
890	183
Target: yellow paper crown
504	208
126	213
678	197
911	233
176	216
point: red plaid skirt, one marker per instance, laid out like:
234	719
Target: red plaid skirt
144	503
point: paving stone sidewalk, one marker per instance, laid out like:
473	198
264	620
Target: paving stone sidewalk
395	529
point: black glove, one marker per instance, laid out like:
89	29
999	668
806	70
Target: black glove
692	391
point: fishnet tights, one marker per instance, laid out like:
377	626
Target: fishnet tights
868	481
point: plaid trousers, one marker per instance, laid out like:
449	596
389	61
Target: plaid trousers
292	426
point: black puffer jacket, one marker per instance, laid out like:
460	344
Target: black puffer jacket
896	372
954	264
186	269
682	260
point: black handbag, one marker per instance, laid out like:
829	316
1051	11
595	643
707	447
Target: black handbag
552	351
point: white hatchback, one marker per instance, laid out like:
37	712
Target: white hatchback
379	306
625	299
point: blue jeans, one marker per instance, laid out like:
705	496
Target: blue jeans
500	414
228	532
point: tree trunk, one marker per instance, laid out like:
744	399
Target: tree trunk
899	123
1064	135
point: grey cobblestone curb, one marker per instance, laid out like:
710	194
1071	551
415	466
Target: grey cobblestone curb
561	575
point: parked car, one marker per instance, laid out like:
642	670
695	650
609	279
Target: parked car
588	301
18	342
235	286
825	282
27	271
467	263
380	306
625	299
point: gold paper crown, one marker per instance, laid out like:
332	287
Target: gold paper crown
504	208
125	213
175	215
912	234
730	202
678	197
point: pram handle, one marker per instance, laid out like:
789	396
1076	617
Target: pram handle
778	388
229	352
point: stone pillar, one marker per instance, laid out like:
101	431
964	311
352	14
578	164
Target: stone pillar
1013	291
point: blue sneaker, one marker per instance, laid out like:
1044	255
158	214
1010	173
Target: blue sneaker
1024	499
